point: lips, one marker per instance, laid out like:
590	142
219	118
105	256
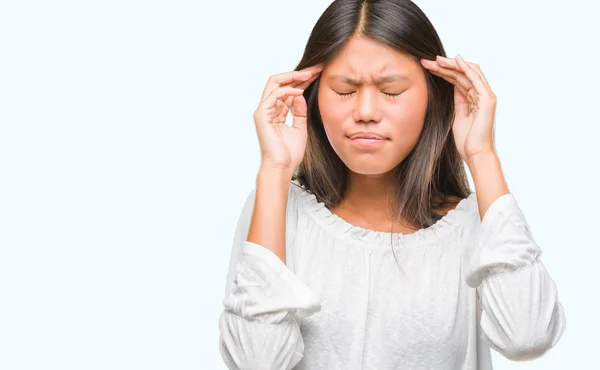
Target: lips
365	135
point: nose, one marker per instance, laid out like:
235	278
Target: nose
366	107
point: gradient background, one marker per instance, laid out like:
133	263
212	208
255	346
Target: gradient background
127	149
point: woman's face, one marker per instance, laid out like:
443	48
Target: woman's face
366	72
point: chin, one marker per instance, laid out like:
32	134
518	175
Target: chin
370	166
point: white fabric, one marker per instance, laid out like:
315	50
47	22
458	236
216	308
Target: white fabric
341	302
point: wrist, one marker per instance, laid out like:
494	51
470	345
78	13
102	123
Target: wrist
482	158
274	174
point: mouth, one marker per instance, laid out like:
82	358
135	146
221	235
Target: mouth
367	135
368	141
367	138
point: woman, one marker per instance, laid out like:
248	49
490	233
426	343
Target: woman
362	246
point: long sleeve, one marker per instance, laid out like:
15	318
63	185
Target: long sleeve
520	314
259	325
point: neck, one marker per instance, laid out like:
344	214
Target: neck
367	203
370	195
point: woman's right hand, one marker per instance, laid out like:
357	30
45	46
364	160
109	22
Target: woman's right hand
282	147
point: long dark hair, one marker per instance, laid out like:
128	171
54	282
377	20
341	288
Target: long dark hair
432	176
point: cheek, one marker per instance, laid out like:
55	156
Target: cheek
408	115
331	108
333	113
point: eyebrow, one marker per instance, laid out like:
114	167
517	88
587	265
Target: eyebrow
378	81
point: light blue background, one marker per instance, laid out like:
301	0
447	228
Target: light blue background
127	149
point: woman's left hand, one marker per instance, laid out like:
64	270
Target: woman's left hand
474	101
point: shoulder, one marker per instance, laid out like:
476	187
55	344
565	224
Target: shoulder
298	196
456	203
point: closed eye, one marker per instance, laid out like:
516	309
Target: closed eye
350	93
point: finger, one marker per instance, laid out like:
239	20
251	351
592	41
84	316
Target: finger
466	96
293	77
280	93
457	78
463	102
284	79
481	87
304	85
449	62
299	119
443	69
469	94
480	72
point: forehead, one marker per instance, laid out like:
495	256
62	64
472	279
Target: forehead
363	58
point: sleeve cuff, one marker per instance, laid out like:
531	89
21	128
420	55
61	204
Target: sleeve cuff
266	290
501	241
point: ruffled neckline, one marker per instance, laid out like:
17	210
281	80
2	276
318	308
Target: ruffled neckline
357	234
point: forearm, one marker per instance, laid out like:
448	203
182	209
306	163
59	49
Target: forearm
489	180
267	227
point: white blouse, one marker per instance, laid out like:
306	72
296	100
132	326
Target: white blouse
341	302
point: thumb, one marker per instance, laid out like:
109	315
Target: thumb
299	112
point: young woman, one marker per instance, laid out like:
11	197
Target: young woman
362	246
